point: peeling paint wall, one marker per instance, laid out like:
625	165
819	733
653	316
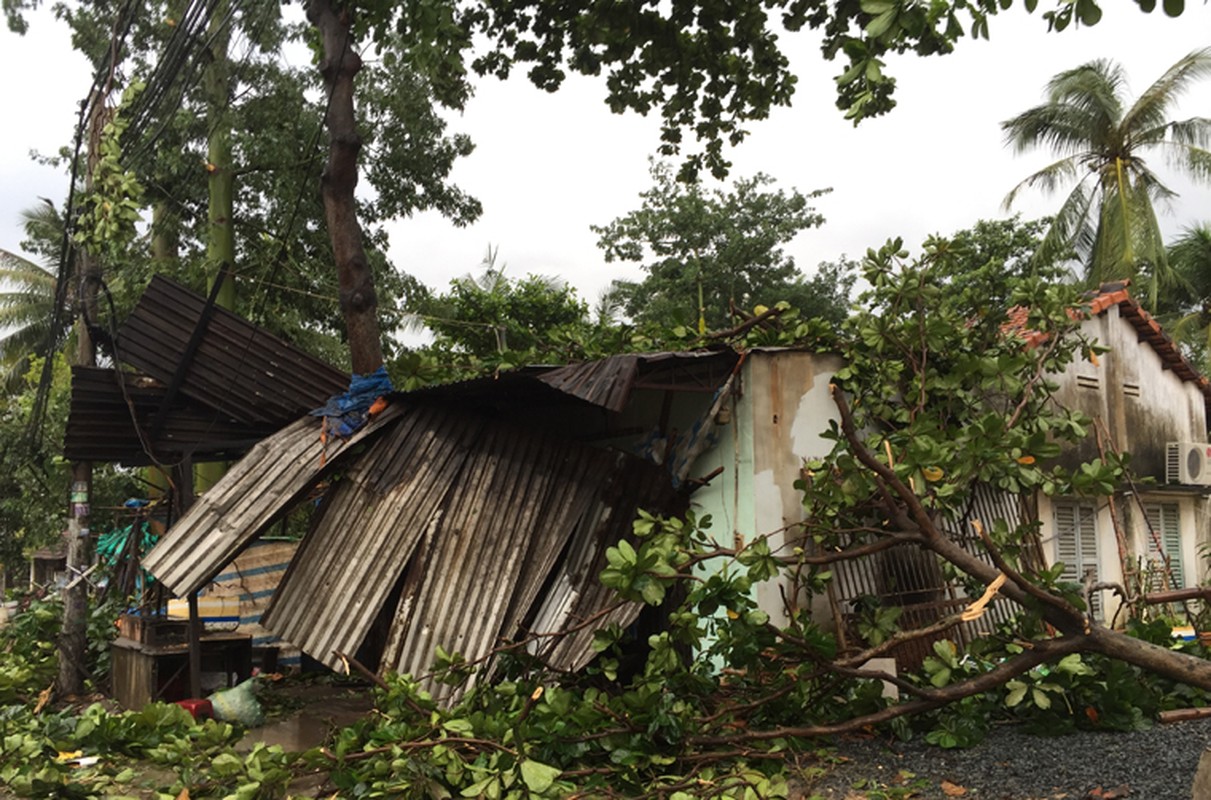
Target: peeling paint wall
1142	404
776	417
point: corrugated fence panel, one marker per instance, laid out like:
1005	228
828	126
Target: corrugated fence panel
368	530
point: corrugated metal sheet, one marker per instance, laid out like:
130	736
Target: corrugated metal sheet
100	427
609	382
274	476
370	524
237	368
506	524
468	518
577	603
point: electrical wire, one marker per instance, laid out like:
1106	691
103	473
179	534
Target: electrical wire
102	78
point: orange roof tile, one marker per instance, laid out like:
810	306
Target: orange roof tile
1149	330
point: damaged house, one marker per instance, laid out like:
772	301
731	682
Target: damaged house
478	513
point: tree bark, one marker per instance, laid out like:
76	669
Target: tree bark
359	304
220	239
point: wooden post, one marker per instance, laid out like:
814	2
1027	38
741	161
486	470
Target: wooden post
185	499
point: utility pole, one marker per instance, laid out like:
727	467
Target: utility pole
73	640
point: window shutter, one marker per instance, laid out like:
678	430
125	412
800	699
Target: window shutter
1076	544
1165	520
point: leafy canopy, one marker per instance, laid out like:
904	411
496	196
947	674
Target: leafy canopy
723	248
705	66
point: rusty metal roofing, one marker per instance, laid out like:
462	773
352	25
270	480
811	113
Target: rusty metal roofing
457	523
464	529
237	368
252	495
608	382
577	602
107	403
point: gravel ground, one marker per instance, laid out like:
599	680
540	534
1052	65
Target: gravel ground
1157	764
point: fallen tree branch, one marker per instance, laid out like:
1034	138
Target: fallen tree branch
899	638
1043	652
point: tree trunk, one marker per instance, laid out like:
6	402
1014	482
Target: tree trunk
339	67
220	245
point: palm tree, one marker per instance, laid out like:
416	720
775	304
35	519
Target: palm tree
1190	259
1108	219
27	300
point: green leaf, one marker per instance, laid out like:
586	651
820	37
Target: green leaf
479	788
874	7
1040	698
538	776
248	791
226	764
1017	692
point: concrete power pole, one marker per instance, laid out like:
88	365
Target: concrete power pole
73	640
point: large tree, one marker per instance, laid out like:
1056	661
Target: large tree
707	251
27	302
1189	304
1108	218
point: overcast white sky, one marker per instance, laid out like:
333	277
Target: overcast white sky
548	166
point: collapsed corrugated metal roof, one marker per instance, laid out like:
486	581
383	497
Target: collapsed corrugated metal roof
464	519
206	385
221	360
455	523
112	412
251	496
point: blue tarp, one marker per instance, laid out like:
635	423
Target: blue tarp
345	413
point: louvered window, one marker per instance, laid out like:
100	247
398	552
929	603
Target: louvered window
1076	544
1164	522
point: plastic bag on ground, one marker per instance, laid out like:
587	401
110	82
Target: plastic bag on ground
238	704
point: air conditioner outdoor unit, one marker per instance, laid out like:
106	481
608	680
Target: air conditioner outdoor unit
1188	462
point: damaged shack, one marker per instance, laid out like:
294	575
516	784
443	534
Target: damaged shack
468	515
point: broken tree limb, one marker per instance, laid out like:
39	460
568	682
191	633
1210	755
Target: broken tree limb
1043	652
907	506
